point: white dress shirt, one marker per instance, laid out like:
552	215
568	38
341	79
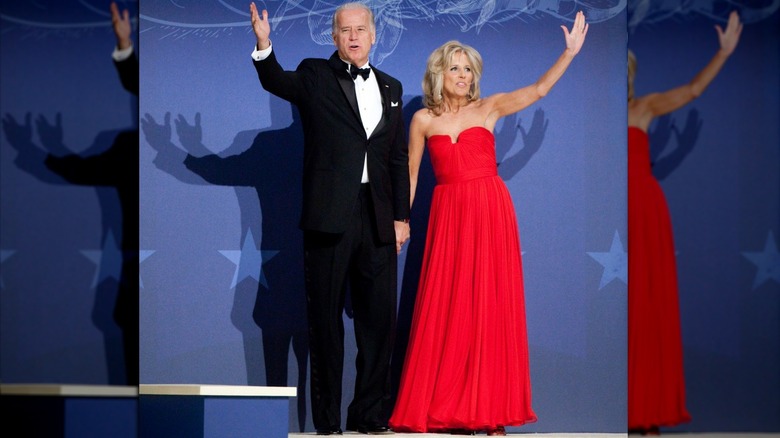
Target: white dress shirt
370	106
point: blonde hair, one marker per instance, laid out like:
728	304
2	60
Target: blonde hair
349	6
631	73
438	62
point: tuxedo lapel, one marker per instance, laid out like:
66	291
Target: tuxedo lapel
345	82
384	91
348	87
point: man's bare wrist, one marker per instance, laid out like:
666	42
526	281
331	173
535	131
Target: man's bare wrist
123	44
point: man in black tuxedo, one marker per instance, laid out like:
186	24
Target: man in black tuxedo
115	167
125	59
355	210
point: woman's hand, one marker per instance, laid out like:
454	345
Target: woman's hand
730	37
576	37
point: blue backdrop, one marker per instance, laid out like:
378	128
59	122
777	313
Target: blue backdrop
717	159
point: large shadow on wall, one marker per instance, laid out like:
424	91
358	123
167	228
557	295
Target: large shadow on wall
510	162
265	166
110	164
664	159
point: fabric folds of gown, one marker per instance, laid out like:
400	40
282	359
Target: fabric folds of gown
656	385
467	362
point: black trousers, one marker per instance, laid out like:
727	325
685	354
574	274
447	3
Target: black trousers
331	261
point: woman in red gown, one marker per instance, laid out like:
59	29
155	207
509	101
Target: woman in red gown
656	385
466	367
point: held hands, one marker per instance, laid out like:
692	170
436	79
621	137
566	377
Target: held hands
261	26
730	37
122	27
576	37
402	232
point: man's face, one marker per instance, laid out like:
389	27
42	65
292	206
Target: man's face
354	36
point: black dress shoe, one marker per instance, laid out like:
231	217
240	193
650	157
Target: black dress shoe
335	430
374	430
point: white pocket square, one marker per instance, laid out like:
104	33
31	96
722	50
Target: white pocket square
393	104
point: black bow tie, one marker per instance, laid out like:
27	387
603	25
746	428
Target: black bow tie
354	71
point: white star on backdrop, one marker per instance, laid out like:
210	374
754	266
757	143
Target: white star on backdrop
107	260
615	262
143	255
767	262
249	261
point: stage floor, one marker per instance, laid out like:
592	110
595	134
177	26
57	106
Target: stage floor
564	435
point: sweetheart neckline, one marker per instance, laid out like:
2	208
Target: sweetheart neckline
459	134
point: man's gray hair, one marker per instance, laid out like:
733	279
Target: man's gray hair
353	5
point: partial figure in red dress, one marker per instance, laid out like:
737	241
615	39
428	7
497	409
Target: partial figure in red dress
467	367
656	384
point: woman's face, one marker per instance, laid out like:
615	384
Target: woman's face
458	77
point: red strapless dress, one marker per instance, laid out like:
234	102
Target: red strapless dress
656	385
467	360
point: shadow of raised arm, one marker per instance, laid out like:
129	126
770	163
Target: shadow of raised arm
532	142
30	157
191	136
51	135
169	158
686	140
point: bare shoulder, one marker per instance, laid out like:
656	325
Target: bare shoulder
641	104
640	111
422	118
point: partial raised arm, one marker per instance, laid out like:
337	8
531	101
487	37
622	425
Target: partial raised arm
665	102
508	103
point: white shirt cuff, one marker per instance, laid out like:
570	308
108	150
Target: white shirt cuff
259	55
121	55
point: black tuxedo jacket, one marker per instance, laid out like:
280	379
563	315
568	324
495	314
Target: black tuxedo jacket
335	143
128	73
